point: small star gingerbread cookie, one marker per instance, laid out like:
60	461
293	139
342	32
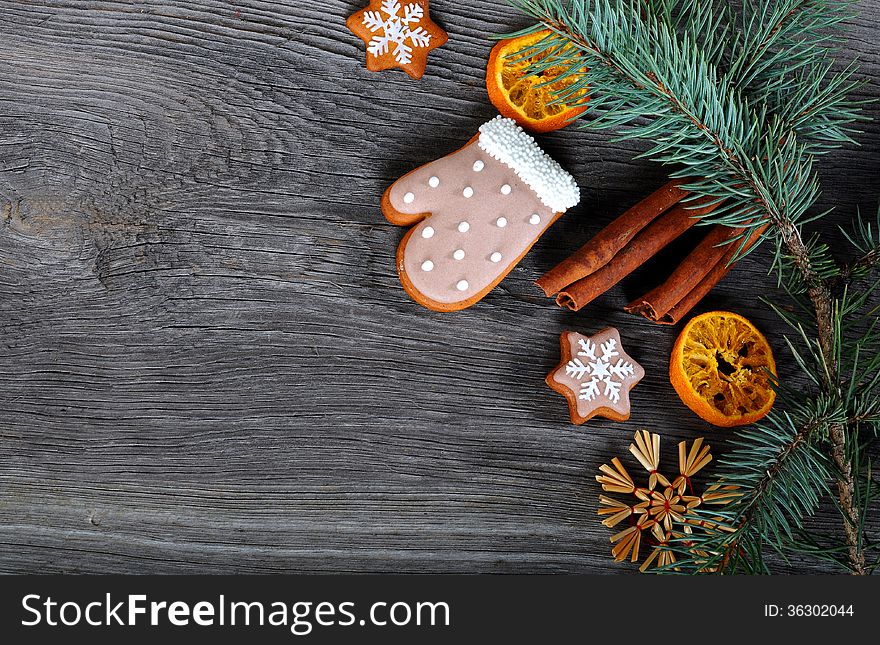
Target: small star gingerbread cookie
397	34
595	376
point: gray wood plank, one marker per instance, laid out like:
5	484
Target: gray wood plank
206	360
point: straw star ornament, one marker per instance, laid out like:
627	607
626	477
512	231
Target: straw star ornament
664	511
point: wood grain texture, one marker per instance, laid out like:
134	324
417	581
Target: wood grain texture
207	363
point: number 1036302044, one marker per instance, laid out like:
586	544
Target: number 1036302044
808	610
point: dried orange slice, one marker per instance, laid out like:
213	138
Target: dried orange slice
721	368
522	97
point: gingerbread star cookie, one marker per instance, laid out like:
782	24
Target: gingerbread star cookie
397	34
595	376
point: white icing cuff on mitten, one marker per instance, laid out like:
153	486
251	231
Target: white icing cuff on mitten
504	140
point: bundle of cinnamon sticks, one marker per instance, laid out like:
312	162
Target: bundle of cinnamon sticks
635	237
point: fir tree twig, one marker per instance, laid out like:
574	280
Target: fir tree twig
742	116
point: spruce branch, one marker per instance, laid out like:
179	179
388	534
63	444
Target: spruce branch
766	47
779	461
742	117
778	465
846	487
865	239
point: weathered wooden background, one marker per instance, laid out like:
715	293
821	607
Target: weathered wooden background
206	361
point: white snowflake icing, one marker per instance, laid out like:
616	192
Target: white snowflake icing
400	30
605	375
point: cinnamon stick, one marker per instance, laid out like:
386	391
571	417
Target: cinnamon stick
657	303
644	246
721	269
609	241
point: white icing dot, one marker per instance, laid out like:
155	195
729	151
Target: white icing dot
458	255
478	165
463	227
468	192
433	182
409	198
495	257
535	219
462	285
501	222
505	189
427	232
427	265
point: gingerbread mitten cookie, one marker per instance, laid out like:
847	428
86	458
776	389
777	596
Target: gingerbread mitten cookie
397	34
476	213
595	376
